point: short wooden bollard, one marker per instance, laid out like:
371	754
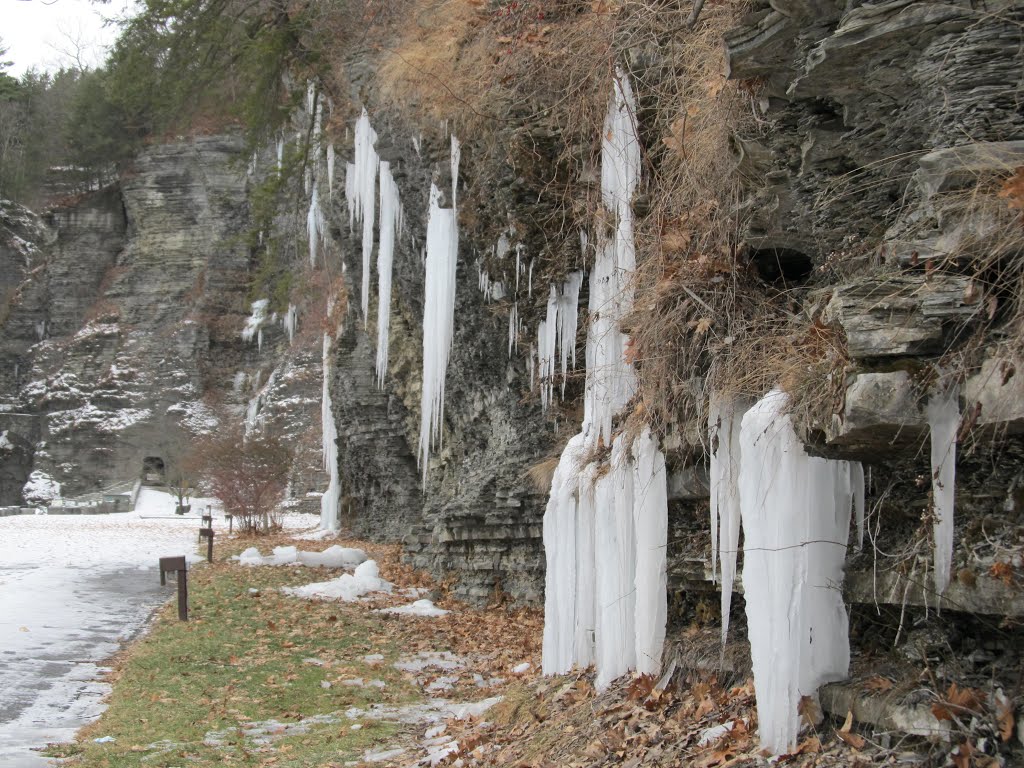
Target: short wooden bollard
207	533
172	564
231	522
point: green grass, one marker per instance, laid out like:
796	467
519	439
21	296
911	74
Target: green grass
240	659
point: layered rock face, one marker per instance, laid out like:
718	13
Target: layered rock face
126	317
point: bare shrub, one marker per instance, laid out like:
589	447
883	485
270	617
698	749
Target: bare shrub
248	475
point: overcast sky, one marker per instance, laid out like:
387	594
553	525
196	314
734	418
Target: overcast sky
46	35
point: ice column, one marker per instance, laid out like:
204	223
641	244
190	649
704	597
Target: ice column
943	413
796	520
390	222
330	501
650	521
315	226
438	311
547	333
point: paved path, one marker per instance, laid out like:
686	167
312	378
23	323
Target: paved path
72	590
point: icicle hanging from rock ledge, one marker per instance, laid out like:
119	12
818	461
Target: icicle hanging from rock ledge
796	521
438	311
362	186
331	500
390	223
943	412
724	417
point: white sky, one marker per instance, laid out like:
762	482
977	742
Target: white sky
46	35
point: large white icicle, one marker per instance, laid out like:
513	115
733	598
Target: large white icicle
331	500
615	552
315	226
796	521
568	318
364	188
605	527
438	320
943	413
724	418
547	334
650	521
390	221
330	171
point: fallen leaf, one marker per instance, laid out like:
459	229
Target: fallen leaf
879	684
855	740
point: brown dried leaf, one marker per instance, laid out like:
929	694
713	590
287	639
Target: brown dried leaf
879	684
855	740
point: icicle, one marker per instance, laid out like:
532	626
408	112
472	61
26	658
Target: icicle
529	282
390	216
857	481
796	522
330	171
280	153
364	191
416	145
455	159
615	556
256	319
547	332
290	322
513	322
438	321
559	532
531	365
259	340
943	413
650	520
350	194
315	226
310	95
330	502
568	318
724	418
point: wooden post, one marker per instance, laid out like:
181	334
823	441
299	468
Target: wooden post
231	522
169	564
183	595
207	533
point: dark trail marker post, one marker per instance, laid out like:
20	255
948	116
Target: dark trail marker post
169	565
207	533
231	521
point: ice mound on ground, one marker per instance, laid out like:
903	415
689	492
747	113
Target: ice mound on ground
332	557
418	608
348	587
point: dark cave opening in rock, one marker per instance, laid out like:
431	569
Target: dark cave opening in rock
153	470
785	265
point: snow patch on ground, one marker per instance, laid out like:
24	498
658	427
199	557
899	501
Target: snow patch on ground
419	608
332	557
348	587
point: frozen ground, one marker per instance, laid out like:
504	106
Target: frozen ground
72	589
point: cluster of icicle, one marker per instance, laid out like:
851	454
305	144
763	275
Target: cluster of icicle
795	513
361	197
558	329
438	310
605	528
